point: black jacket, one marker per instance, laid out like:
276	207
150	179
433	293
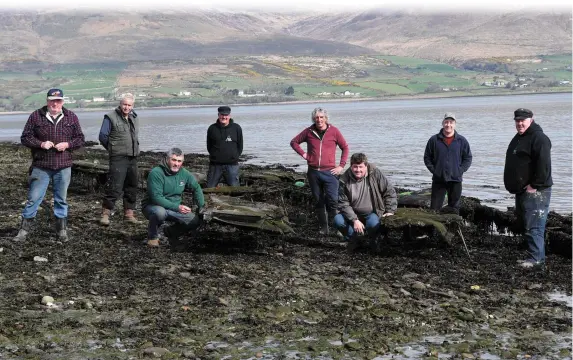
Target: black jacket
225	143
528	161
447	163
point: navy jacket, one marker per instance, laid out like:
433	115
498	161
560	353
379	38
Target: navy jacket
447	163
528	161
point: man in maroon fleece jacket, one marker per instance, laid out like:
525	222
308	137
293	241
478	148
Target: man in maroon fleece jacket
321	140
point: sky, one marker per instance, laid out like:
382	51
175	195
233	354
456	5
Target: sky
297	5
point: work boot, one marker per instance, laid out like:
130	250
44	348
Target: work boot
322	222
153	243
62	229
105	214
129	216
25	229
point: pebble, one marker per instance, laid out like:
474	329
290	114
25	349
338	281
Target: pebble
40	259
156	352
223	302
418	285
405	292
547	333
47	300
188	354
86	304
468	356
185	274
534	286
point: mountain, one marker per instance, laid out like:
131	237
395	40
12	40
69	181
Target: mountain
83	36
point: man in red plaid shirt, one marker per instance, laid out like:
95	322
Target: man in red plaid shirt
52	133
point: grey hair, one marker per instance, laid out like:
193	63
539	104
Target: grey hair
318	110
127	96
173	151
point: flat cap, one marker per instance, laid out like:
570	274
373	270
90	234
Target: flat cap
522	113
224	110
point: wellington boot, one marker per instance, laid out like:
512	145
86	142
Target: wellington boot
25	229
62	229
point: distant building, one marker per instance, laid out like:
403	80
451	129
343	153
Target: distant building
98	99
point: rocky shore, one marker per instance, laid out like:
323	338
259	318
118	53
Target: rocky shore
234	293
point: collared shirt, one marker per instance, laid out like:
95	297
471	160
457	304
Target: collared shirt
40	128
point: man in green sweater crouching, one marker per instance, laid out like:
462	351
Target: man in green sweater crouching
162	201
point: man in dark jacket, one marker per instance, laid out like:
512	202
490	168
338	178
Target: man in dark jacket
119	134
448	157
225	145
527	174
365	196
163	199
52	133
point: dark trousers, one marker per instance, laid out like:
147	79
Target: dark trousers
439	189
122	178
324	189
532	210
229	172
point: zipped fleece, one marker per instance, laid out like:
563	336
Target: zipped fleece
321	154
165	188
382	192
528	161
224	143
447	163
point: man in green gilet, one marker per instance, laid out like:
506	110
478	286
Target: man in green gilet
119	135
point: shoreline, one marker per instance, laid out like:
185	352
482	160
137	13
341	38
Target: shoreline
295	102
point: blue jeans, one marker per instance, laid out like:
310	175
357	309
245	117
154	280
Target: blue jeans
38	181
371	223
157	215
231	173
324	189
532	210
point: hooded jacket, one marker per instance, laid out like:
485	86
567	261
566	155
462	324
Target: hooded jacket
224	143
528	161
447	163
164	187
382	192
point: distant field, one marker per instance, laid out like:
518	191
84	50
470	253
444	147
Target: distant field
161	83
385	87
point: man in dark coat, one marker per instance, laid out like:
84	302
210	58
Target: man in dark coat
365	196
527	174
225	145
448	157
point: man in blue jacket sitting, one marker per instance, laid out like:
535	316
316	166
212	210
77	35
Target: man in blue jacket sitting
448	157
